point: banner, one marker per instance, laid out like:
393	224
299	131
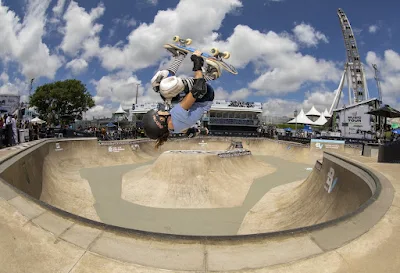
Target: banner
325	144
354	122
9	103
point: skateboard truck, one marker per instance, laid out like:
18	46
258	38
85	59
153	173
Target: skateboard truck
183	42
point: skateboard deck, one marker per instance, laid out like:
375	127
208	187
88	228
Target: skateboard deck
215	55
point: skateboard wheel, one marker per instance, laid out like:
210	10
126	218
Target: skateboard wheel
226	55
214	51
176	39
188	41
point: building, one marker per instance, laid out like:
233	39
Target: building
224	118
233	118
352	121
138	110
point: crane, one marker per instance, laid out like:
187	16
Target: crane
378	81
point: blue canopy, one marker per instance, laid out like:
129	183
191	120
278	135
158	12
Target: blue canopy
111	125
307	128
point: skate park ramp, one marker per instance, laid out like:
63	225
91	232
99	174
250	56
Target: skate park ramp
185	188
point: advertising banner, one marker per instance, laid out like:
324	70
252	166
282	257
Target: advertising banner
354	122
9	103
325	144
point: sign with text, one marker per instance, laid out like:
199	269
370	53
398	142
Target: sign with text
355	121
326	144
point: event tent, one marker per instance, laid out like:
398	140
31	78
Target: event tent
302	119
120	111
326	113
313	113
37	120
321	120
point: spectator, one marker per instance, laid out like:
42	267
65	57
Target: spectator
14	129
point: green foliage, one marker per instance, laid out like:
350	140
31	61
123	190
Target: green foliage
62	102
286	125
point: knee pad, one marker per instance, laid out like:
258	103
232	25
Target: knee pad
158	77
171	87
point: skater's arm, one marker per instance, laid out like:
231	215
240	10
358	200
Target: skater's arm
189	100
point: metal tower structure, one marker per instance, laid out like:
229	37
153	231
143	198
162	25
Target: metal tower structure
353	68
378	81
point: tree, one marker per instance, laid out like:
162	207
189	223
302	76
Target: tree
62	102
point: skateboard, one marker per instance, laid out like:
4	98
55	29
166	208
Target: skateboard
216	55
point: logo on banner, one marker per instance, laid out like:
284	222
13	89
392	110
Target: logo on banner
319	145
58	147
330	181
115	149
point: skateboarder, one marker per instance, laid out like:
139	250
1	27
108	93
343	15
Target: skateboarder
193	97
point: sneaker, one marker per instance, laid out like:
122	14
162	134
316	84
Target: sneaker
213	69
175	52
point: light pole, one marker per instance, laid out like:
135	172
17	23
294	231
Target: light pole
295	116
137	92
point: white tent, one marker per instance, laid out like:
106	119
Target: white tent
37	120
120	110
313	112
326	113
302	119
321	120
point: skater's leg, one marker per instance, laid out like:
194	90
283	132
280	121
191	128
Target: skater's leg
177	61
189	82
169	72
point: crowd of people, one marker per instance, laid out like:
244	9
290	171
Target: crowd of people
104	133
9	130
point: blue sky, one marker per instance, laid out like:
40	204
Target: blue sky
289	53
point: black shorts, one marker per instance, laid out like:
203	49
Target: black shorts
208	97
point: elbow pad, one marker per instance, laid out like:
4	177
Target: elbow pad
199	88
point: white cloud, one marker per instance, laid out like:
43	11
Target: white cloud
22	41
99	111
281	68
145	43
80	26
373	28
4	77
283	107
280	107
16	87
58	9
125	21
152	2
77	66
389	67
308	36
319	99
291	71
221	94
119	88
240	94
57	12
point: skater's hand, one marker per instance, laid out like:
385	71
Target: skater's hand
197	53
197	60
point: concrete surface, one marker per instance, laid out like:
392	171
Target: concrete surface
27	246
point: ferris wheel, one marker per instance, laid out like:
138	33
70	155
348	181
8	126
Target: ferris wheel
353	69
